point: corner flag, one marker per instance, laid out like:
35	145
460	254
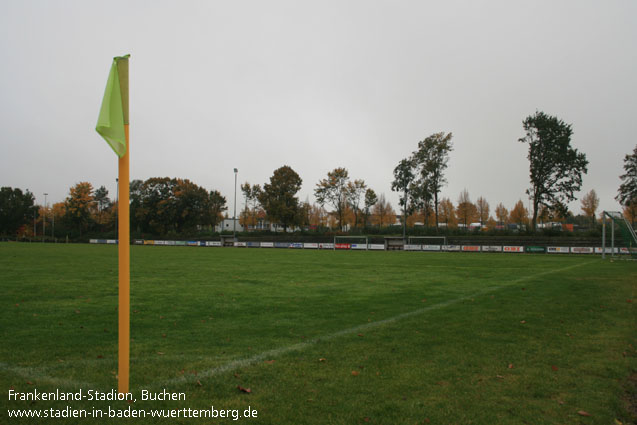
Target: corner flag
112	125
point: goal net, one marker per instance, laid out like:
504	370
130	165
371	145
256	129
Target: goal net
351	242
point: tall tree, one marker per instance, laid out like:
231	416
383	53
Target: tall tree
333	191
278	197
17	209
370	201
519	214
78	205
627	192
355	193
382	213
447	213
590	203
431	158
483	210
251	194
556	168
466	211
403	182
501	213
216	207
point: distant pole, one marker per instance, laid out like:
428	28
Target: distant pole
44	217
234	216
603	235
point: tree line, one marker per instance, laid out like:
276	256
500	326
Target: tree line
174	206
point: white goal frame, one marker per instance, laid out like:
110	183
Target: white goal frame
444	239
365	238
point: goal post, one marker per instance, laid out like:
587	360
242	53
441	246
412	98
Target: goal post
351	242
427	240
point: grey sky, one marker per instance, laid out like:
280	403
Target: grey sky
315	85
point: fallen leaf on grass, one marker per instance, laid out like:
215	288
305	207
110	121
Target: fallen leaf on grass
510	365
360	334
355	373
270	361
424	300
322	359
29	383
629	301
583	413
244	390
199	383
442	383
523	321
161	353
555	368
499	376
100	357
236	375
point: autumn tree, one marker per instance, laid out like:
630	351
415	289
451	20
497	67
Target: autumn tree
216	207
278	197
370	201
630	212
466	211
519	214
17	209
502	214
403	183
355	195
627	192
447	213
483	210
556	168
431	160
590	203
78	205
334	191
251	194
382	213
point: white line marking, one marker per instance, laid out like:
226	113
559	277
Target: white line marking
269	354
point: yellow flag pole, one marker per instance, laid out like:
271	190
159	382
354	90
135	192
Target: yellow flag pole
124	243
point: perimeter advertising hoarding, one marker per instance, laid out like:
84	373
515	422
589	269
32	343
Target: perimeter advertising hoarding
362	246
377	246
558	250
491	248
342	246
582	250
513	248
431	247
449	248
267	244
213	243
310	245
253	244
471	248
326	246
296	245
413	247
281	244
535	249
608	250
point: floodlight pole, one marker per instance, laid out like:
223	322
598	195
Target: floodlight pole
603	235
44	217
234	215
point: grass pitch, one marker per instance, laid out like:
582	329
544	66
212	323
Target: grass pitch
323	337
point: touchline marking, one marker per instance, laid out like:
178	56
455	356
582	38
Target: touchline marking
268	355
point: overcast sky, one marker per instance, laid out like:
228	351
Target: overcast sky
315	85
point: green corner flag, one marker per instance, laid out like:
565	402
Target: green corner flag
114	111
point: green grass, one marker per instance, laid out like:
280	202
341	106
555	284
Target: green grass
324	337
